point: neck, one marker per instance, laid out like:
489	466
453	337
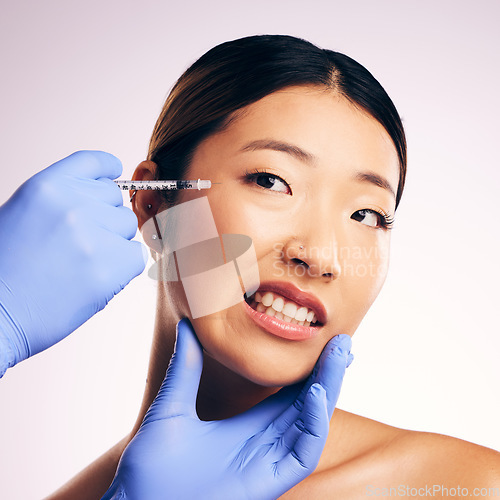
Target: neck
222	393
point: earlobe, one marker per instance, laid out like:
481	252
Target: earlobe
144	203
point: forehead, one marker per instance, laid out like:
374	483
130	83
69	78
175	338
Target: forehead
321	122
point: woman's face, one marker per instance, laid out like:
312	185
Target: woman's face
299	168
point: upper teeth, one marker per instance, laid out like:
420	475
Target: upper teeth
285	309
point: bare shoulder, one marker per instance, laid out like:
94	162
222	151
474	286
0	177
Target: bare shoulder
450	459
364	457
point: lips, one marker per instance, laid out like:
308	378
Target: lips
294	294
279	324
280	328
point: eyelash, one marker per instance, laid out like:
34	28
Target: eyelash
251	176
386	221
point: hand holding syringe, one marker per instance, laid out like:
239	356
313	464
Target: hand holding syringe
66	250
60	233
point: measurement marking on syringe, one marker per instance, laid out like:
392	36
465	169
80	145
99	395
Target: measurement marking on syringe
163	185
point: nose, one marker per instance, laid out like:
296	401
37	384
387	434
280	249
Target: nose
317	258
314	248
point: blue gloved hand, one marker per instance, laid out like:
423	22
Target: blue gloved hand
64	252
259	454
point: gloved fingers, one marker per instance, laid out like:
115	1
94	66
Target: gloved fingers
282	423
332	366
286	409
120	220
96	251
290	414
126	222
179	390
136	255
104	277
350	359
270	409
112	263
326	368
290	431
325	371
89	164
106	190
309	441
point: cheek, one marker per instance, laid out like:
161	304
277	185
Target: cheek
364	270
238	212
233	216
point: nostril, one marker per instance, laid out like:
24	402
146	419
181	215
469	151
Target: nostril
300	262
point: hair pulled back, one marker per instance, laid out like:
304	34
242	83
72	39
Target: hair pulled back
240	72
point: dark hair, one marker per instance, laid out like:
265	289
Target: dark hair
238	73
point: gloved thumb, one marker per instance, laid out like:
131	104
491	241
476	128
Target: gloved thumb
177	395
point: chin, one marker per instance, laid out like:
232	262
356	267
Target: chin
268	375
265	375
258	359
273	380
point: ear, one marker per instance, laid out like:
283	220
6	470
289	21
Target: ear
145	203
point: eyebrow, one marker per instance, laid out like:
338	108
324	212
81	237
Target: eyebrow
374	179
284	147
310	159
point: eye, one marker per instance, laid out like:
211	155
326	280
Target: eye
268	181
373	218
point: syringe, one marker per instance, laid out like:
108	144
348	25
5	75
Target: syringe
163	185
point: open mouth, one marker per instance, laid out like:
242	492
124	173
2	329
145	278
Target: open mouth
277	306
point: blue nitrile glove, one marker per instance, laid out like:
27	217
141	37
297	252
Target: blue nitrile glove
259	454
64	252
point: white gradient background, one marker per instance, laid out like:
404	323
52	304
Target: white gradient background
94	75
